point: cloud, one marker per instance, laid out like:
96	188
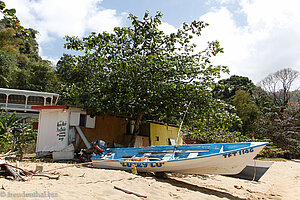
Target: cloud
57	18
270	14
104	20
167	28
267	43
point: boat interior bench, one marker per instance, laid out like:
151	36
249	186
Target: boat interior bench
170	154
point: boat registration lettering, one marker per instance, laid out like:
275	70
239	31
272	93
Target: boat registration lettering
240	152
144	165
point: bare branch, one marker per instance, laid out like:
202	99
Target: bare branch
278	85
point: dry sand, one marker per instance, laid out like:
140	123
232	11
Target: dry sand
282	181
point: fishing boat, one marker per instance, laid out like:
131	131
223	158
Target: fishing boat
220	158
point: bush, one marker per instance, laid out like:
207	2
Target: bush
283	129
15	134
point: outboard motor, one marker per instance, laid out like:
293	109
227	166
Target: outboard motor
99	145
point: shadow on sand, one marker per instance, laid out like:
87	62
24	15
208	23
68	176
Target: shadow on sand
189	186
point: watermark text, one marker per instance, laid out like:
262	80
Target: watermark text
28	194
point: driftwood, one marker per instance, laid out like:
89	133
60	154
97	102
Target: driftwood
44	175
14	172
7	154
17	173
25	172
9	170
130	192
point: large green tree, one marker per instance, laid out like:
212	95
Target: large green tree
238	91
246	109
226	88
140	72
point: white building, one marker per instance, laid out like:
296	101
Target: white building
21	101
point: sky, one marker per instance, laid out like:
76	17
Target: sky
259	37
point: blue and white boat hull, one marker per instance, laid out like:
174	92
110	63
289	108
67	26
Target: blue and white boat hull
227	158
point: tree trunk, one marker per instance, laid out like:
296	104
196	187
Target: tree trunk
136	129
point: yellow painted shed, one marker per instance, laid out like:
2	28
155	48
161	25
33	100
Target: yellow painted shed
161	134
158	134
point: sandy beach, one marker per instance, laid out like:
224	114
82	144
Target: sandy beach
282	181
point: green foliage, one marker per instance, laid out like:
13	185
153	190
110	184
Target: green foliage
282	128
2	5
25	71
23	136
68	70
227	88
39	76
7	122
237	91
7	63
295	96
263	101
140	72
246	110
220	137
15	133
211	118
272	151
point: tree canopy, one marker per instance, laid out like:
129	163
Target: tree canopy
246	109
141	72
226	88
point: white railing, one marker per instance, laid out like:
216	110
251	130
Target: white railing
22	107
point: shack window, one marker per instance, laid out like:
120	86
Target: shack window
90	121
48	101
16	99
32	100
82	121
2	98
